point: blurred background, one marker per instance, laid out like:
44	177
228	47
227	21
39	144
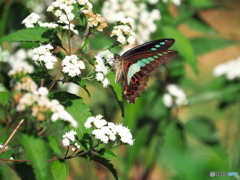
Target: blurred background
179	142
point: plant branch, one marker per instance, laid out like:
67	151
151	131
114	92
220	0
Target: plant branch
11	136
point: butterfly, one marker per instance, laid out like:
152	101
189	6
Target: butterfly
134	65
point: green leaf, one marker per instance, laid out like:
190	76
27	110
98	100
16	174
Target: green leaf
104	162
54	145
202	3
36	34
39	74
203	45
117	90
60	170
199	25
37	153
182	45
227	93
75	106
107	153
203	129
4	97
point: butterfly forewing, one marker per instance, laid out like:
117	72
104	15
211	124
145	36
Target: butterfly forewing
161	44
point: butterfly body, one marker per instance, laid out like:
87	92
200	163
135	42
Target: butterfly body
134	65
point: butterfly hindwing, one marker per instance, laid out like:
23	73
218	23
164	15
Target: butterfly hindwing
145	62
136	86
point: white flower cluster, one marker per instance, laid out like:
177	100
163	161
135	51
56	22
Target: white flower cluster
95	20
63	9
113	9
69	138
145	28
26	84
102	70
137	11
123	32
30	20
230	69
175	96
18	62
71	27
43	54
51	25
105	131
71	65
40	105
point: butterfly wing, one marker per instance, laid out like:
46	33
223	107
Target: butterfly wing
160	44
137	66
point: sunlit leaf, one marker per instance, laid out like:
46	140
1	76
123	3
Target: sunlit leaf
36	34
203	45
107	153
60	170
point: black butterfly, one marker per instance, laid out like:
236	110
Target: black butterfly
134	65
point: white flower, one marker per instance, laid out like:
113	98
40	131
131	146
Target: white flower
131	40
43	91
99	134
88	123
49	25
70	135
100	123
30	20
167	100
123	33
125	134
138	11
230	69
99	60
43	54
121	39
153	1
18	62
177	2
71	65
105	131
66	142
174	96
101	70
99	76
50	8
105	82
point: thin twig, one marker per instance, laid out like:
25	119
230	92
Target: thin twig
11	136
